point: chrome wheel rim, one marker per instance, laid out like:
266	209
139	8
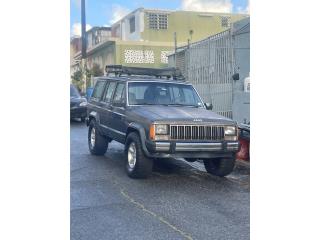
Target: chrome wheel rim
93	137
132	155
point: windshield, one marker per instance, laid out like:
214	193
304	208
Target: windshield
74	92
157	93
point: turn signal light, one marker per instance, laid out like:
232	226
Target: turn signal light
152	132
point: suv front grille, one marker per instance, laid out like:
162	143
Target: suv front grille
196	132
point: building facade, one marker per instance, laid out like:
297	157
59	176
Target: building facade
160	25
75	47
97	35
145	37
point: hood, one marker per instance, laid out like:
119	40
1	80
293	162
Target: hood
174	113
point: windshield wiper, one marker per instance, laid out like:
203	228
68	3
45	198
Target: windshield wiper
180	104
145	104
168	104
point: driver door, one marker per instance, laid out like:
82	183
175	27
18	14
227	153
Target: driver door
117	114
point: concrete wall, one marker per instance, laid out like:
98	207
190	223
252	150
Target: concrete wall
142	55
97	35
130	53
139	27
105	56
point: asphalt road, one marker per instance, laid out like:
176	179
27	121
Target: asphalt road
179	201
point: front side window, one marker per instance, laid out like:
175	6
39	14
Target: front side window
157	93
98	90
109	92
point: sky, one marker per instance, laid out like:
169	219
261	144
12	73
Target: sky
106	12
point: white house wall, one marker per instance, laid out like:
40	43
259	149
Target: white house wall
139	26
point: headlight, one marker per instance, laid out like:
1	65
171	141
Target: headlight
83	104
161	129
158	132
230	131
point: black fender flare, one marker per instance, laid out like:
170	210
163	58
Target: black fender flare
142	134
94	115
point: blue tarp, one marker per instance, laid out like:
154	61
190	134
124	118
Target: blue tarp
89	92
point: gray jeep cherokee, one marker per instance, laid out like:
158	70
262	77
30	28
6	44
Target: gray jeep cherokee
158	118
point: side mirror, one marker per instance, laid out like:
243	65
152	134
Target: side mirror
209	106
235	76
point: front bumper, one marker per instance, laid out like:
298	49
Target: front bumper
192	149
78	112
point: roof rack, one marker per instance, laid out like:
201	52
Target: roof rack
119	70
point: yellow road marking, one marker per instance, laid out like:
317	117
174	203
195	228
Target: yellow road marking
161	219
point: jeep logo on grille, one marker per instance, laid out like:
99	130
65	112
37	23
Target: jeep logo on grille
197	120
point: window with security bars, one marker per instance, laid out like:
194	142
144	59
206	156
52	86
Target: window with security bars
158	21
225	21
163	21
153	20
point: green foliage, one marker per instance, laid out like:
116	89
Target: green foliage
96	71
77	76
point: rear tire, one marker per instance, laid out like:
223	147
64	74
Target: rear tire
219	166
97	143
138	165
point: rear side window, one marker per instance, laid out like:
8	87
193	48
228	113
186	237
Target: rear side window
98	90
109	92
119	94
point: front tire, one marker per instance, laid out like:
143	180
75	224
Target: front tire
219	166
97	143
138	165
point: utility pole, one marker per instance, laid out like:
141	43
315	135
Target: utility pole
84	42
175	49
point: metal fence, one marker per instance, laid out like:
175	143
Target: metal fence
209	67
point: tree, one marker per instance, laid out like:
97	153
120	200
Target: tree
96	71
77	79
77	76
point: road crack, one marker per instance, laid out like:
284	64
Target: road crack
159	218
